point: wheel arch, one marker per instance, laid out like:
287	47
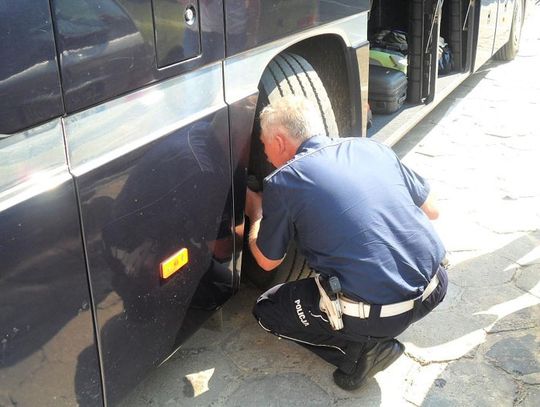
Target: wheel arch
328	55
328	50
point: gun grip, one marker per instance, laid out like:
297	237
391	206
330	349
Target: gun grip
334	285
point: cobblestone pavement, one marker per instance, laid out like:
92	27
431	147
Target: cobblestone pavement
481	347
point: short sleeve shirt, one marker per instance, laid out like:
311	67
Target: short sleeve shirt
354	210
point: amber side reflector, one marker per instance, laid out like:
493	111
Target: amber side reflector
174	263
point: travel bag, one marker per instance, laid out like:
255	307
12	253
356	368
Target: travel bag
387	89
444	57
388	59
394	40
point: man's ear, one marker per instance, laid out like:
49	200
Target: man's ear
281	141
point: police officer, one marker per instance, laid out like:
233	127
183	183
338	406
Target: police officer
358	214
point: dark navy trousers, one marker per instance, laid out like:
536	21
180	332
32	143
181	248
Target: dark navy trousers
291	311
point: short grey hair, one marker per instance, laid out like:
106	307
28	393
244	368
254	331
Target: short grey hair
296	114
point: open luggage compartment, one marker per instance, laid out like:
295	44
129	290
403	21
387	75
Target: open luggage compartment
423	23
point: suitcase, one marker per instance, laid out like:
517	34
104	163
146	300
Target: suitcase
387	89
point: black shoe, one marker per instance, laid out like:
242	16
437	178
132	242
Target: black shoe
382	355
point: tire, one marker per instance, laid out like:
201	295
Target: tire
287	74
509	50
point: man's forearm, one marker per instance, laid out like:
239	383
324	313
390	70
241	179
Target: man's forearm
430	207
253	234
264	262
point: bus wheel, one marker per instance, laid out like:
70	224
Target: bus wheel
509	51
287	74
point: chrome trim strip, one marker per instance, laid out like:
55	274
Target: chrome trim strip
242	72
31	162
107	131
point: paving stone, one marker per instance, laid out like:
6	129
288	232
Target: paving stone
524	249
435	146
512	185
523	319
364	402
532	257
460	234
516	248
321	373
485	271
461	347
405	148
287	389
252	348
471	383
7	400
418	381
445	336
527	145
456	258
448	109
490	300
517	353
465	177
386	388
533	378
531	397
449	335
507	216
452	298
168	385
511	189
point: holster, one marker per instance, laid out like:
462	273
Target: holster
331	308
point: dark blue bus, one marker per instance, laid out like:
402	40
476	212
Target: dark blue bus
128	129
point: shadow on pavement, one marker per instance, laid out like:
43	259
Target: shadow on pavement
488	327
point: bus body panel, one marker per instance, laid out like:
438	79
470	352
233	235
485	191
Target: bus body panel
110	49
29	83
255	23
47	347
504	23
156	184
487	24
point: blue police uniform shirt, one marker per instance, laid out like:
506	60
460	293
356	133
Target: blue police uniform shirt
354	210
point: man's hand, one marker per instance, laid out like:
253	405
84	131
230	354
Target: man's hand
253	205
430	207
254	213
